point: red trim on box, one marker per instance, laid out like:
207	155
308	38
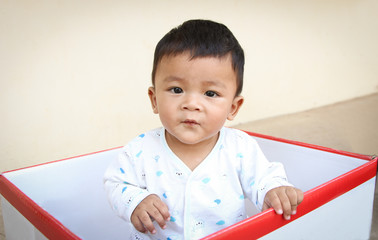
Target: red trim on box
261	224
64	159
307	145
42	220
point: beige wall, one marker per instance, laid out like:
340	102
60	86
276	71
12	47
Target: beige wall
74	74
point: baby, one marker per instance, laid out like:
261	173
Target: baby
190	178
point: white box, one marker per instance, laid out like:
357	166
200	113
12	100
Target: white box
65	199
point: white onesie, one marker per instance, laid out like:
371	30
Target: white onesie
202	201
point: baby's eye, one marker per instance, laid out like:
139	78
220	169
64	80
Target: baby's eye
211	94
176	90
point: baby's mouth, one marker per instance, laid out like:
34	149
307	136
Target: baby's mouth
190	122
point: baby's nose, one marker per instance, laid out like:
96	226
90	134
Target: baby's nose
192	103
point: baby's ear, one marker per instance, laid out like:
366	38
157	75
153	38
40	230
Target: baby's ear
152	95
235	107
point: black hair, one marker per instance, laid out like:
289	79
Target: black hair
202	38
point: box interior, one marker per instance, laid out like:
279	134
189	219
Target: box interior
72	190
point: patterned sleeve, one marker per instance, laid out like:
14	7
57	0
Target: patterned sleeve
260	175
122	187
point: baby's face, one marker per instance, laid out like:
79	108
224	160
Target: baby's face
194	97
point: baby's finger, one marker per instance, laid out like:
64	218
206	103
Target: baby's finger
286	205
292	196
274	201
163	209
138	224
147	222
299	196
265	206
158	217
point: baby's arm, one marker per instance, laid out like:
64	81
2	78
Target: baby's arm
267	186
284	200
130	198
151	208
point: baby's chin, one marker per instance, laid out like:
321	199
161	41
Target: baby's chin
192	139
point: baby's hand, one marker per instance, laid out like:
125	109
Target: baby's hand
151	208
284	200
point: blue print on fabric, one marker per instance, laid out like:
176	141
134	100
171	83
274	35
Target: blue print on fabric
122	171
239	155
123	189
157	157
139	153
159	173
242	197
172	219
252	183
217	201
142	135
206	180
165	195
221	222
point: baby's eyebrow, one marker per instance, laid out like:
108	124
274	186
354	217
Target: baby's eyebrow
172	79
206	83
214	83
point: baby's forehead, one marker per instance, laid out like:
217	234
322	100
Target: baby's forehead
186	62
207	70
